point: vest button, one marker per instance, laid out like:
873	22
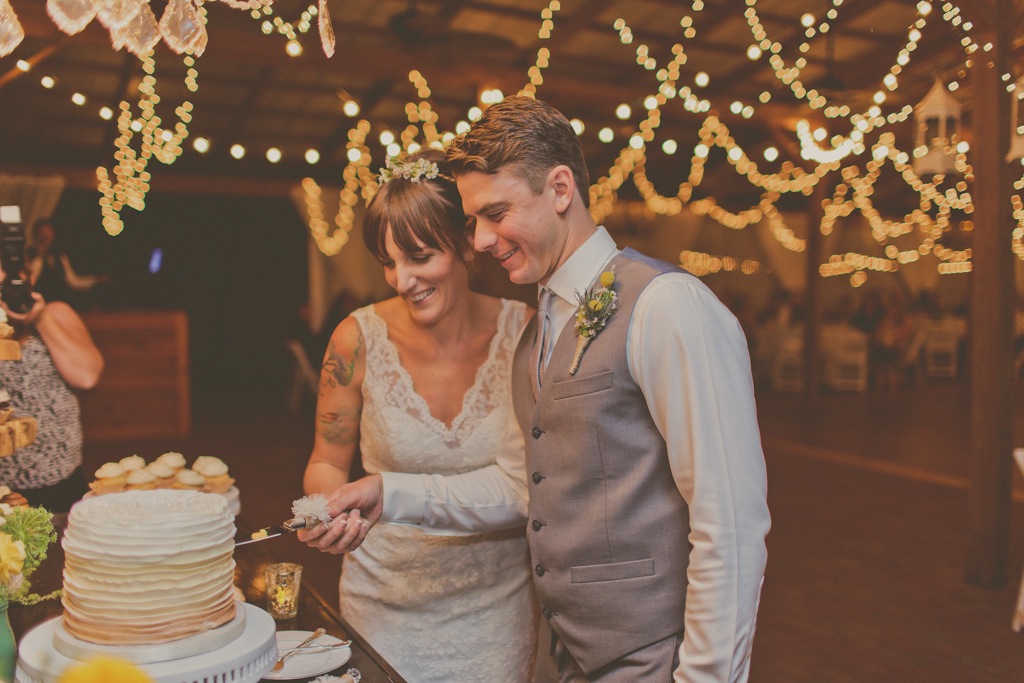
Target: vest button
540	569
537	524
547	613
537	476
537	432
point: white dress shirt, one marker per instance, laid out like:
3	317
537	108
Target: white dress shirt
689	356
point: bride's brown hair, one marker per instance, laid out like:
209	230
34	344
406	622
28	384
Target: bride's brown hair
425	211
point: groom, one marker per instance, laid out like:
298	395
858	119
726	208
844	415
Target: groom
647	510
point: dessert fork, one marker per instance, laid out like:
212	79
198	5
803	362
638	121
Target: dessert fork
280	662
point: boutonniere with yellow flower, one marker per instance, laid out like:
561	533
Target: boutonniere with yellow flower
596	306
25	535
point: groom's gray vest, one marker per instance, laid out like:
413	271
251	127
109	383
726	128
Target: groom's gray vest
608	528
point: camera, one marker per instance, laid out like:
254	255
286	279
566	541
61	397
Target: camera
16	291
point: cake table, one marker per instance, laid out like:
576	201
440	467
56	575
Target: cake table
244	658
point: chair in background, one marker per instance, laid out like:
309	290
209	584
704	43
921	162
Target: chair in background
845	351
915	350
941	348
304	379
788	366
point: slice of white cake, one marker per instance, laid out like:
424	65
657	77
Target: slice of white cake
148	566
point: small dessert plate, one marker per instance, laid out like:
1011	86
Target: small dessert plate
306	664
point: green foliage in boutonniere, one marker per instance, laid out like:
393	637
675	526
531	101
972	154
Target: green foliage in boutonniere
596	306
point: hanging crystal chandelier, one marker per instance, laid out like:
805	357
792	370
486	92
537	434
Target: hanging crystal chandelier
133	26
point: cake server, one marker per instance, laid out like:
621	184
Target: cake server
316	634
318	648
278	530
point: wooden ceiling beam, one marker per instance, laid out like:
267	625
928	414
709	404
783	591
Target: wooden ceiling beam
33	61
243	109
169	182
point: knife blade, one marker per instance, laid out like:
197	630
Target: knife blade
275	530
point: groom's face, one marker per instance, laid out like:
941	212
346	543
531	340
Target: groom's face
514	224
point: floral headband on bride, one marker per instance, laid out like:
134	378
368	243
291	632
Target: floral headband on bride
413	171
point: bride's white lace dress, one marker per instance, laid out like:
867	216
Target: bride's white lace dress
444	609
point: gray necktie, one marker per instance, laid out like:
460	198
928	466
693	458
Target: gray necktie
544	323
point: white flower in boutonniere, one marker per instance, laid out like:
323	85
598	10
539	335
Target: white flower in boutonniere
596	306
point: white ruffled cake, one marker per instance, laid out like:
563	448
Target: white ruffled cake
147	567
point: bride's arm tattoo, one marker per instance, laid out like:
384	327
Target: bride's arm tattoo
338	424
339	427
339	367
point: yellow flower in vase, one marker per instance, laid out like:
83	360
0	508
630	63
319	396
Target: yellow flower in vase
25	535
12	560
104	670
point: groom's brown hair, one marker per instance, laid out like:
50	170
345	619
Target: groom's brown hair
529	136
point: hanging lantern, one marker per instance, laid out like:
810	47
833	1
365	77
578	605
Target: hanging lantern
938	127
1017	122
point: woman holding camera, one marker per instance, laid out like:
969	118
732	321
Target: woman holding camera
57	357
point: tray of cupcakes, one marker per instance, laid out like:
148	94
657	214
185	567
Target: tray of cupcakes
11	499
16	431
207	474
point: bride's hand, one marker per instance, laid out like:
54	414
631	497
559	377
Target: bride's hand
344	534
356	507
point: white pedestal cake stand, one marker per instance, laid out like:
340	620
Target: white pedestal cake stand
244	651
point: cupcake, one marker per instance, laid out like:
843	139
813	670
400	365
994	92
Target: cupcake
12	499
216	473
188	480
110	478
6	331
140	480
176	461
165	474
132	463
6	409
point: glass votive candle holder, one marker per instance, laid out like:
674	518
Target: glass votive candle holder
283	582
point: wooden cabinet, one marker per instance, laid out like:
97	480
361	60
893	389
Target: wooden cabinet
144	391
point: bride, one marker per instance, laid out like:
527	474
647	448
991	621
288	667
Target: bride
421	384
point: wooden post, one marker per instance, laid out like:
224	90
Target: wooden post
992	310
812	292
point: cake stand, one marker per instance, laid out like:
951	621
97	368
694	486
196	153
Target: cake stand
243	659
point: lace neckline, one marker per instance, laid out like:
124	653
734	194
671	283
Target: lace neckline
470	402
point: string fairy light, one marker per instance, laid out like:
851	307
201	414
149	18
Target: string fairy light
131	177
933	219
535	72
290	30
853	195
701	264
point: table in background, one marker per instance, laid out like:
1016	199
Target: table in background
250	561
